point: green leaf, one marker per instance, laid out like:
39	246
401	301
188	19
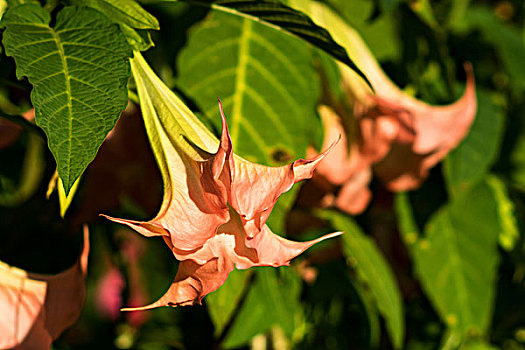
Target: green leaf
509	231
405	216
471	160
265	80
478	345
127	12
79	71
363	255
380	34
272	300
222	303
275	15
140	39
457	260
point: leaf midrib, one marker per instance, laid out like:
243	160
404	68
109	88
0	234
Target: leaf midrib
65	70
240	79
458	272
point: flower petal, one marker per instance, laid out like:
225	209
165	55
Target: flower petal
256	188
354	196
343	161
195	195
435	126
205	270
274	250
192	283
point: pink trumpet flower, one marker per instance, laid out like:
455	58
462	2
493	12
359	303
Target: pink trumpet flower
396	135
349	163
215	205
436	131
35	309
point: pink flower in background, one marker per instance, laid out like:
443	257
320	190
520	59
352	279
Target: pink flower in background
109	293
110	287
348	165
436	131
399	137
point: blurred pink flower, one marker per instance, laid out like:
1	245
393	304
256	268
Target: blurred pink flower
109	293
397	136
436	131
400	137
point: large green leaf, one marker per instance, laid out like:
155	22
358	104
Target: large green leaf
275	15
471	160
364	256
457	260
79	71
265	80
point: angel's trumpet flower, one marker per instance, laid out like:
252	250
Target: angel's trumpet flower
36	308
215	203
398	135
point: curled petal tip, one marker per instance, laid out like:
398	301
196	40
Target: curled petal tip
85	251
323	154
145	307
332	145
147	228
220	107
141	308
468	68
469	71
331	235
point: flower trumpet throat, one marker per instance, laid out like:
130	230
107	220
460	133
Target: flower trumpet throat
215	206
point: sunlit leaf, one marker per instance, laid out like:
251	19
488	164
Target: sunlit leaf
265	80
456	261
140	39
275	15
79	71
